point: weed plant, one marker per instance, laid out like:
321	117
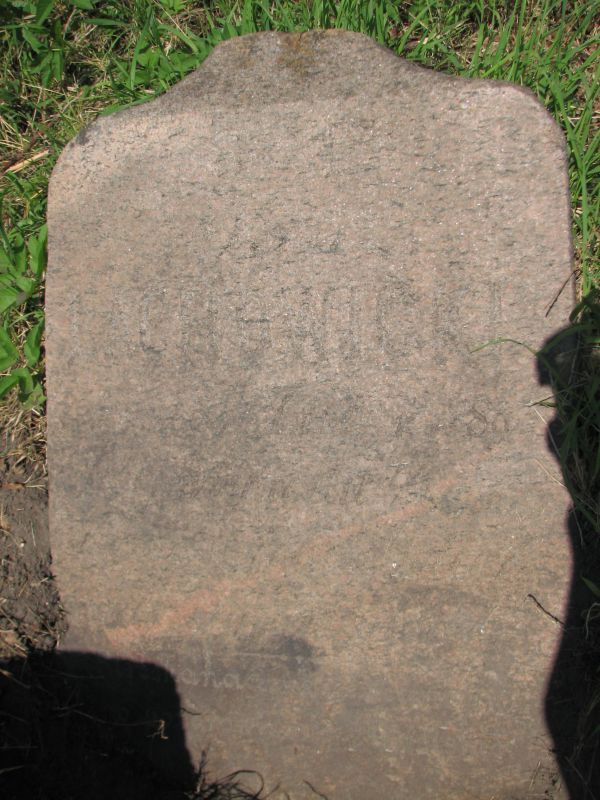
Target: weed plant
63	62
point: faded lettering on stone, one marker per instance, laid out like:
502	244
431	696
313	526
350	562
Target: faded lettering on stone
325	325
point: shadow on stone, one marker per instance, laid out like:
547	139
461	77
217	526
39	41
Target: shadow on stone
77	725
572	714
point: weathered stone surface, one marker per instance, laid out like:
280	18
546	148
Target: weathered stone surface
279	466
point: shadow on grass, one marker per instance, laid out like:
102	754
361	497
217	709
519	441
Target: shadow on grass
569	363
77	725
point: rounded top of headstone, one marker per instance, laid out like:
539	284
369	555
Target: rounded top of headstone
293	66
258	71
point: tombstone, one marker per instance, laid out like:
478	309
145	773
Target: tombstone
283	465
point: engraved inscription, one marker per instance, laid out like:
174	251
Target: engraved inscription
321	326
203	670
329	323
251	664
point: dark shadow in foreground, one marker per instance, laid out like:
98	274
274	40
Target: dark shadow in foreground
567	364
77	725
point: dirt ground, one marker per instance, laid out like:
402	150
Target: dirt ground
30	614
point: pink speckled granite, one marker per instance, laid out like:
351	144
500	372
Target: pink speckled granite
280	467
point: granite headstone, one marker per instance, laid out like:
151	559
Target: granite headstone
283	466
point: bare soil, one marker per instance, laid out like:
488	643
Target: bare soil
31	617
30	614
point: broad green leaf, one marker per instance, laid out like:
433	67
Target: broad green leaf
26	285
139	47
31	348
37	246
86	5
32	40
44	68
36	397
173	6
9	297
43	9
7	383
9	354
19	254
108	23
58	63
26	382
5	261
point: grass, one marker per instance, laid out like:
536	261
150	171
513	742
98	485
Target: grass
63	63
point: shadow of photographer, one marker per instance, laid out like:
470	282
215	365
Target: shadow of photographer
84	726
572	703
